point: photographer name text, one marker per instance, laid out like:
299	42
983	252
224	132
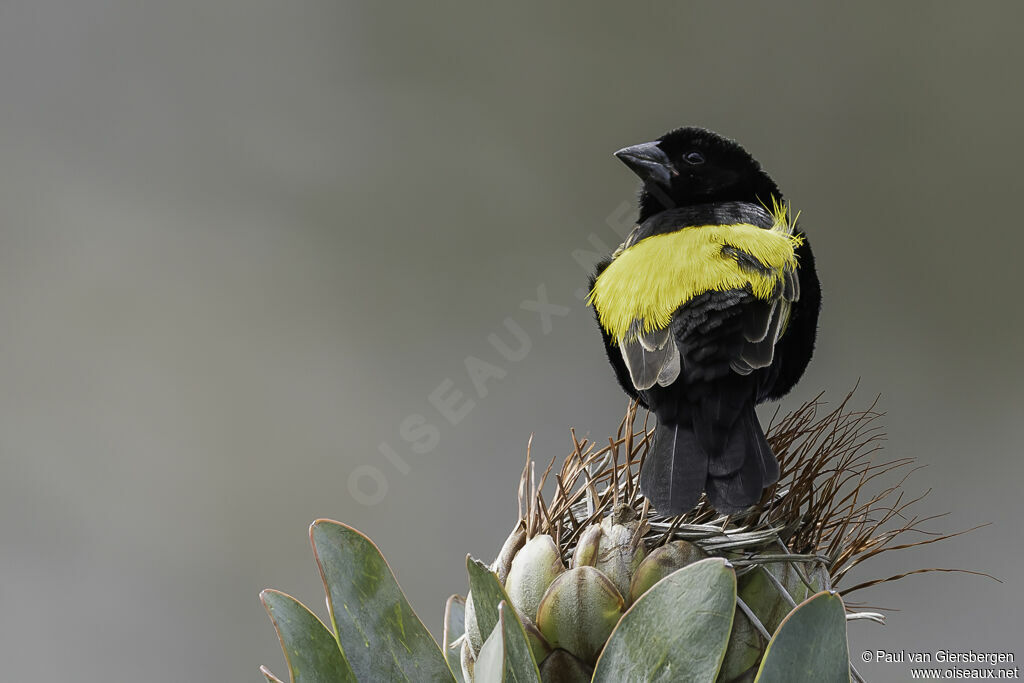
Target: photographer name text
938	657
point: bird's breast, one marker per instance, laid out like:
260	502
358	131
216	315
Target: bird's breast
648	281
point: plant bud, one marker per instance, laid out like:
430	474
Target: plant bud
610	547
538	645
763	597
588	547
579	612
512	544
563	667
662	562
620	554
532	570
746	645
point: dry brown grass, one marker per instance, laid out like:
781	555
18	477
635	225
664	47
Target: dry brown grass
838	502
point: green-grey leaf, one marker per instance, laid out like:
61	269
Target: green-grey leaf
810	645
267	674
488	596
467	661
490	663
310	649
522	668
677	631
381	636
474	636
454	628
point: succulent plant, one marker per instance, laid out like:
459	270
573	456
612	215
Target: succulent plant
594	585
607	590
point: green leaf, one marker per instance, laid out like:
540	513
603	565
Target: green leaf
267	674
522	668
490	663
454	628
810	645
381	636
467	661
310	649
677	631
488	596
474	636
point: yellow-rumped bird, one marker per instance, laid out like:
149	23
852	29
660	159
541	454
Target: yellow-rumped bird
708	308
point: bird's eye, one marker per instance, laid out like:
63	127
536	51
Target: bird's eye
694	158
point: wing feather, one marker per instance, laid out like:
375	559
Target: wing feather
647	367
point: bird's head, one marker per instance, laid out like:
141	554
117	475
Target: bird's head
690	166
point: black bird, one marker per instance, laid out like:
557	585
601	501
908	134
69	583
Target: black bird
708	308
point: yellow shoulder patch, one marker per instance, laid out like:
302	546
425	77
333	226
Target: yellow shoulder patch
651	279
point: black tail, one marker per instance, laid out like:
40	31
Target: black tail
675	470
733	470
738	476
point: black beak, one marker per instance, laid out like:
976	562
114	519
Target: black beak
649	162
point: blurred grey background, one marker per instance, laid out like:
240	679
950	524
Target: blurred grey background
242	242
